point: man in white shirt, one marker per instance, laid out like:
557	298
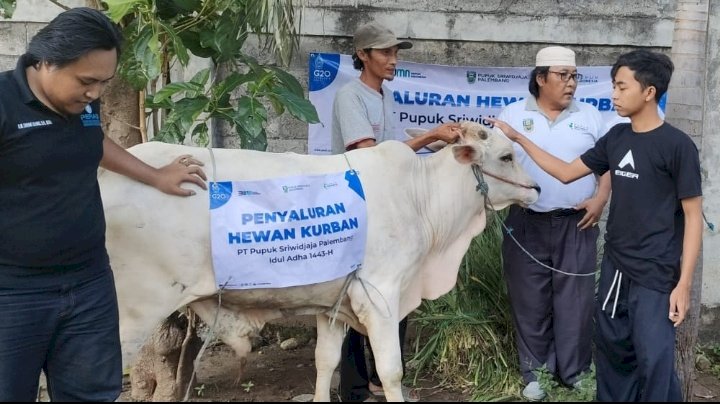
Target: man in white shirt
552	310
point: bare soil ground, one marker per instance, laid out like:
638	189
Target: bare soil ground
272	374
276	375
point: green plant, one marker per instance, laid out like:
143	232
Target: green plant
160	33
584	389
708	359
7	8
247	386
466	337
200	390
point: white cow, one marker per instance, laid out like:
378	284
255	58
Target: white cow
422	214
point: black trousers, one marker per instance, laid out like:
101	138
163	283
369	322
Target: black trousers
636	345
355	372
552	312
69	331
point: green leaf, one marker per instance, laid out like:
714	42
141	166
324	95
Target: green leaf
275	102
189	108
170	133
146	52
201	77
288	80
298	106
132	72
176	44
8	8
252	142
164	104
191	39
227	37
169	9
188	5
200	134
173	88
249	118
117	9
229	84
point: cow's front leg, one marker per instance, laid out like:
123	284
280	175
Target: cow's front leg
327	355
385	342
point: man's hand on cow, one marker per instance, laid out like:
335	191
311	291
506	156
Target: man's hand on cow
448	132
508	130
593	207
183	169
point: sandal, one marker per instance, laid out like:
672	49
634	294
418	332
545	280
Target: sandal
409	394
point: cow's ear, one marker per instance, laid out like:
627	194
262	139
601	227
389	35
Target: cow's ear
465	154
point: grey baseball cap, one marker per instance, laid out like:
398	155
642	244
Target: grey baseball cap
375	36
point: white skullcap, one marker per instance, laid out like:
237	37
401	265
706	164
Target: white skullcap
555	56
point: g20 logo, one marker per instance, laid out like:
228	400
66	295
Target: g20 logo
220	194
220	197
322	73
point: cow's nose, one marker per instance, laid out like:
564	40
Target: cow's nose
537	188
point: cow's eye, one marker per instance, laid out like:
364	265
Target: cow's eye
507	158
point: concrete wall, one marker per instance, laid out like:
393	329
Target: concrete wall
41	10
710	155
28	18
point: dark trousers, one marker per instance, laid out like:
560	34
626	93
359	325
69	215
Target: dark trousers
355	373
635	349
69	331
552	312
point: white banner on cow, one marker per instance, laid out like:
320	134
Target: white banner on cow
428	95
287	231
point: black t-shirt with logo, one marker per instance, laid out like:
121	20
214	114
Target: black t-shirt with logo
51	213
650	173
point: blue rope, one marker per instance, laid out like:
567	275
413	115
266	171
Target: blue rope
709	225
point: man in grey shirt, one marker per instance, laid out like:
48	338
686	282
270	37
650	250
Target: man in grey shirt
361	118
362	108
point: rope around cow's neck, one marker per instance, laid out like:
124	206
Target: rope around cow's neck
483	188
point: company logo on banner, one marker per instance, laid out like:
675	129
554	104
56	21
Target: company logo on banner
428	95
287	231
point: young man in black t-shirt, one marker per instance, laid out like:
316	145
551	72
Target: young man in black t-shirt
654	232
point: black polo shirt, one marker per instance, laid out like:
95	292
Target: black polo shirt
51	214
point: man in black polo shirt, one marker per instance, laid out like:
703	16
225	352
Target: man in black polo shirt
58	308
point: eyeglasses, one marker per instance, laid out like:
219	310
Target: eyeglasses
566	76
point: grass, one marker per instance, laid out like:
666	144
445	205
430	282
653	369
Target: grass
708	359
556	392
466	337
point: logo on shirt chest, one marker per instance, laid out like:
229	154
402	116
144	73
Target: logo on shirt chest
627	162
578	126
89	118
528	125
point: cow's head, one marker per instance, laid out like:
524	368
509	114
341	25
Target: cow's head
492	151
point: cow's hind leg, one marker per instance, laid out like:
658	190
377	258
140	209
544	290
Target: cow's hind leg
327	355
